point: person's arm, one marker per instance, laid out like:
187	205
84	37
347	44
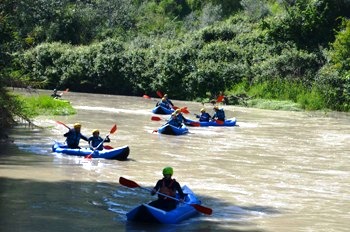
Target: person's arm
67	134
156	188
84	137
90	143
179	190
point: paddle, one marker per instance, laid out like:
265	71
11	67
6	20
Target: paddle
63	124
220	122
107	147
113	129
156	118
66	91
132	184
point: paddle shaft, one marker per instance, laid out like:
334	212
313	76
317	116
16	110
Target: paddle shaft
132	184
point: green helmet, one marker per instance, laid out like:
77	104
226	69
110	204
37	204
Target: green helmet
168	171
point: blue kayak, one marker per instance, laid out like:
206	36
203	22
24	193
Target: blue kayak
119	153
227	122
162	110
172	130
150	214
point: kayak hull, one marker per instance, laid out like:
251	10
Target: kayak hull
172	130
150	214
162	110
228	122
119	153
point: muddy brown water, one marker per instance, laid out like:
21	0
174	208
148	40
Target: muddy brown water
276	171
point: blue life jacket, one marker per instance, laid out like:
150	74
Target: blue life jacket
219	115
175	122
204	117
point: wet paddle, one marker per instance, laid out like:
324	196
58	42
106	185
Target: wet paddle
112	131
132	184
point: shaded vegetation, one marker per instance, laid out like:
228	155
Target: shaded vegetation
290	50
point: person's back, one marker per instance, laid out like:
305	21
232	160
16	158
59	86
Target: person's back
180	116
219	114
174	121
168	100
74	136
164	103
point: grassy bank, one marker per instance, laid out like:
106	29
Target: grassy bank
45	105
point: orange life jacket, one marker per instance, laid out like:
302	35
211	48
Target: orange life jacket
168	190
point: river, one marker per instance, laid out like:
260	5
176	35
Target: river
275	171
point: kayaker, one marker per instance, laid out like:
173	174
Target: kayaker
167	186
74	136
55	95
168	100
164	103
174	121
96	142
180	116
219	114
204	116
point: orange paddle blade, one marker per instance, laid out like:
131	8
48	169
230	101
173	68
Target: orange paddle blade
146	96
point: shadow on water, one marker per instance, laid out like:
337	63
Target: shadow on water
87	206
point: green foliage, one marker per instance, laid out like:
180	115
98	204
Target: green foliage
45	105
308	23
186	48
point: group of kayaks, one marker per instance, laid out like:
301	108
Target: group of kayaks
191	205
173	130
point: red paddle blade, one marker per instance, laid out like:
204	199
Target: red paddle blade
195	124
155	118
160	94
219	122
146	96
184	110
128	183
88	156
220	98
202	209
154	131
113	129
107	147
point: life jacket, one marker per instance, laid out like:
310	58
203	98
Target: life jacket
168	190
220	114
73	138
165	105
204	117
95	141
